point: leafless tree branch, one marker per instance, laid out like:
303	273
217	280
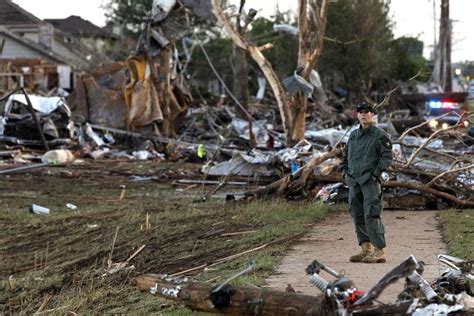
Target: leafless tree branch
420	125
389	94
448	172
410	161
263	63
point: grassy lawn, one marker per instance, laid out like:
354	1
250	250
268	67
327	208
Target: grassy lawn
458	232
59	259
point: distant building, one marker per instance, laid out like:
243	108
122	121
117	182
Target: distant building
36	54
91	35
25	25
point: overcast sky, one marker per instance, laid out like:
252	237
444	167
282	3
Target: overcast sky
411	18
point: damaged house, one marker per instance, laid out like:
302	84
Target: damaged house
146	93
98	39
37	54
25	63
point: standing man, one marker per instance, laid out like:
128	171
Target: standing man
367	154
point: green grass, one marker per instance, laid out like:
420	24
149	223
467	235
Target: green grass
458	232
63	254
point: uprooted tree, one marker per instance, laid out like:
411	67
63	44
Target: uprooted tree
310	48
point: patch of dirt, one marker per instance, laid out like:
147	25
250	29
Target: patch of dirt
61	258
333	241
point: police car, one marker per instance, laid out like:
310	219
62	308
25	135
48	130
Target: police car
449	111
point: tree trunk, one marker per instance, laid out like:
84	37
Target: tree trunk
265	66
310	48
241	87
241	300
299	114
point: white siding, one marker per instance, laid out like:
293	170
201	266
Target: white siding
31	36
15	49
62	50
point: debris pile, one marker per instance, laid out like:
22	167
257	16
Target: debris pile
432	172
141	109
449	293
429	172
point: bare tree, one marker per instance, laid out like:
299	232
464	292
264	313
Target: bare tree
240	69
310	48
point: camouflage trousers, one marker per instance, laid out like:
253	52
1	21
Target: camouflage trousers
365	206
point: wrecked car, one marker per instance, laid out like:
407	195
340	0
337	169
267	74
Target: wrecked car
17	124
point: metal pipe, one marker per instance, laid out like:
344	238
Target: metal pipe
35	119
23	168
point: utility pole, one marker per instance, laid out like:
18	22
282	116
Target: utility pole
445	75
435	44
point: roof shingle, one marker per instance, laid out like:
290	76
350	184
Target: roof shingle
12	14
75	25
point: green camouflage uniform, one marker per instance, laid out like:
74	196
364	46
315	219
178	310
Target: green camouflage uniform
367	154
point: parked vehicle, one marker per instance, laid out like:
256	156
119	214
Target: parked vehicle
451	110
470	90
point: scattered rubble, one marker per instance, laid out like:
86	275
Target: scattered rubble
449	293
440	164
141	109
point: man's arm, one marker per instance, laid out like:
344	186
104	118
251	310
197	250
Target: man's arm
343	164
386	156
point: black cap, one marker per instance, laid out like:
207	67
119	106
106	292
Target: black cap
365	106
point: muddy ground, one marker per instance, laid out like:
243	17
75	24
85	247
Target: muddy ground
54	263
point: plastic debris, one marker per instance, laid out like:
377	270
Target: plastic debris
58	157
37	209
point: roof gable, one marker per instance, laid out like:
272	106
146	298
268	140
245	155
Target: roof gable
32	45
76	25
13	14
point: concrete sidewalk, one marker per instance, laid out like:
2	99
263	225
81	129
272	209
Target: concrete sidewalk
333	241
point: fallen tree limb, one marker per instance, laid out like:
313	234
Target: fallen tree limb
292	183
425	188
447	172
243	300
398	167
432	136
465	116
411	129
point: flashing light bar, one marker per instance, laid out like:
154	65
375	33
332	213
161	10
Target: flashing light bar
442	104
